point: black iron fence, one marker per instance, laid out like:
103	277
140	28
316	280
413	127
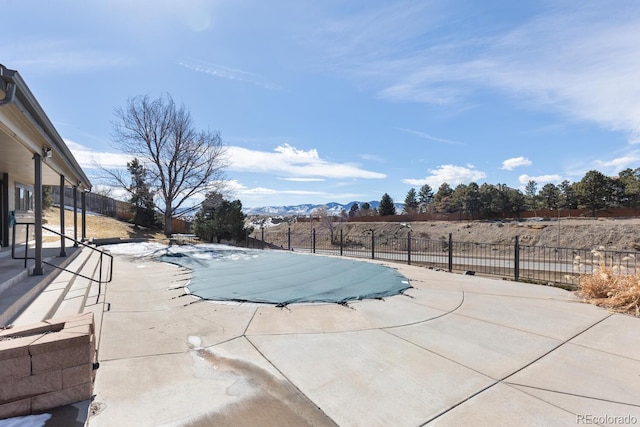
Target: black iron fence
539	264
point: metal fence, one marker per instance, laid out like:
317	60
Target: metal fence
538	264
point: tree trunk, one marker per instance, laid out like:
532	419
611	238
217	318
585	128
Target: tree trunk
168	223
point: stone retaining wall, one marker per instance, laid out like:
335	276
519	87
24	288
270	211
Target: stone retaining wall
46	365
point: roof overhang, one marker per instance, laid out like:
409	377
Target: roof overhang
26	130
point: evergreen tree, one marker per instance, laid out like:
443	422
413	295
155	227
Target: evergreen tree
531	193
568	195
142	205
353	210
219	219
386	206
443	199
550	196
425	197
411	202
594	191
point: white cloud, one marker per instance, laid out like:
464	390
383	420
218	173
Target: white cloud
228	73
451	174
60	56
90	159
303	179
616	165
295	163
511	164
540	179
430	137
578	59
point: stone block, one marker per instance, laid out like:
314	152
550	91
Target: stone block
77	375
17	367
16	347
62	397
64	358
30	386
15	409
58	341
32	329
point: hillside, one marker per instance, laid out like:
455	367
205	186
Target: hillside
620	234
614	234
98	227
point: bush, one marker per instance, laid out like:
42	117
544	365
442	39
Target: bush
612	287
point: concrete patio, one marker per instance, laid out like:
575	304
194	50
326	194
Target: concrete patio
453	350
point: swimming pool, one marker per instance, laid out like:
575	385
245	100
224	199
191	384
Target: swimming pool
226	273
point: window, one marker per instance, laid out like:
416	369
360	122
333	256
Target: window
24	197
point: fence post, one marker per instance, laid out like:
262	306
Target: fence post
450	252
289	239
262	229
313	241
409	247
516	259
341	242
373	244
246	238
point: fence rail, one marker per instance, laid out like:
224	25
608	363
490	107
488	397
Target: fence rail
540	264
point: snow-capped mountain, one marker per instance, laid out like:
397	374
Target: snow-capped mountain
333	208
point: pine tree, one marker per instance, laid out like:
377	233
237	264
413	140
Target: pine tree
411	202
386	205
141	200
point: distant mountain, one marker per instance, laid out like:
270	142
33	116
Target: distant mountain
333	208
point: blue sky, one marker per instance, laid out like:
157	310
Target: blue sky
326	100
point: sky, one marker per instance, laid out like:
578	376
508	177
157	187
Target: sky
322	101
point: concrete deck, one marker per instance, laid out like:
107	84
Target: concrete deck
455	350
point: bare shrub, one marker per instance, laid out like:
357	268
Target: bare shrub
612	286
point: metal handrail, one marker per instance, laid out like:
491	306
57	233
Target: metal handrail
102	254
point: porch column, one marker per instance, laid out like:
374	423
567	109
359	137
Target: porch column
63	252
5	210
37	202
75	216
84	215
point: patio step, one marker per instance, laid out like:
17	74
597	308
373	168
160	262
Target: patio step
75	299
49	300
18	288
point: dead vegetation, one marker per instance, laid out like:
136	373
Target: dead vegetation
98	227
612	287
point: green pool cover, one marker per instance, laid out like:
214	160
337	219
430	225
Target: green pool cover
279	277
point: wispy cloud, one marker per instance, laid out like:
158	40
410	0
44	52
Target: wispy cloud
292	162
613	166
540	179
580	60
516	162
60	56
91	159
451	174
228	73
303	179
430	137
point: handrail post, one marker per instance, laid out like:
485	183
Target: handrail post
409	247
450	252
516	259
289	239
313	241
341	242
373	244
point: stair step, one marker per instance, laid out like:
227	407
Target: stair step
75	299
47	302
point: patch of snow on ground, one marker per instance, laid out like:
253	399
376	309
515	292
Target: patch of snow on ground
28	421
203	251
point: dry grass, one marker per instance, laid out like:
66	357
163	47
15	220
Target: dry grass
612	287
99	227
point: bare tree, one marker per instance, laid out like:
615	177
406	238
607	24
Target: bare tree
182	161
325	220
